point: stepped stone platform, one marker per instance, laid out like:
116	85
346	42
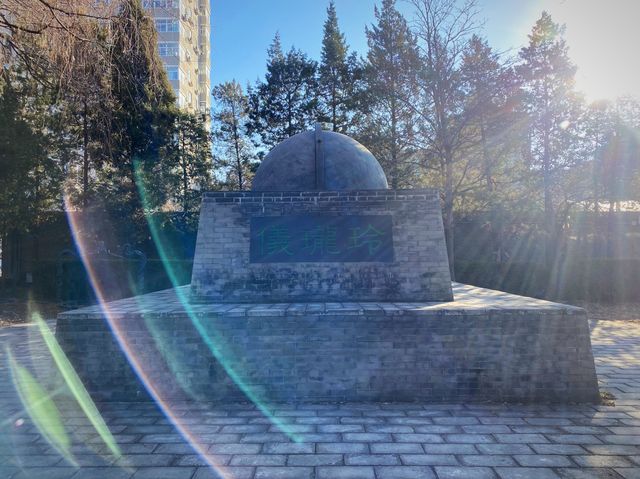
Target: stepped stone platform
483	346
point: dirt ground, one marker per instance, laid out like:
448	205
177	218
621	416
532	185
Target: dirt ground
14	311
600	312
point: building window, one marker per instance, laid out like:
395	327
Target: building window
173	73
167	25
160	3
168	49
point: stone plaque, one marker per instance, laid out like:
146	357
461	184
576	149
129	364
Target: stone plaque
318	238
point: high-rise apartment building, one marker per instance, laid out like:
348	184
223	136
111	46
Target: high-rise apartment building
183	43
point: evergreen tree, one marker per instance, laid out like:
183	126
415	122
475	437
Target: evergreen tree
142	118
22	157
551	104
389	113
235	152
339	74
489	164
191	161
286	102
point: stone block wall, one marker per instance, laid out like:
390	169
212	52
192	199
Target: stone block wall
223	272
331	352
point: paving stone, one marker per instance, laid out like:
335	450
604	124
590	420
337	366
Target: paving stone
591	473
404	472
629	473
45	472
164	473
367	437
197	460
173	448
602	461
469	438
423	438
391	428
489	460
371	459
288	448
345	472
314	460
342	447
612	449
505	449
437	429
395	448
548	421
449	449
508	421
141	460
310	437
543	460
521	438
341	428
448	472
456	420
102	473
526	473
258	460
429	459
574	439
239	472
486	429
231	448
284	473
564	449
259	437
42	460
622	439
591	430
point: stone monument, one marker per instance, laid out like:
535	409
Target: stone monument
322	284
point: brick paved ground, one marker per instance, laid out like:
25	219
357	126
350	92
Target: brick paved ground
380	441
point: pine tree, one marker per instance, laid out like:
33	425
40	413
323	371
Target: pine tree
235	152
338	76
190	156
492	119
286	102
142	119
390	119
22	157
551	104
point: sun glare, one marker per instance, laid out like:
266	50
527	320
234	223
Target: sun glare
604	39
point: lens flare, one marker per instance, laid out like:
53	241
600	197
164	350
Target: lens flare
39	405
76	387
158	387
216	348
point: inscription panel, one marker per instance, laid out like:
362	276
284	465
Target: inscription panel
318	238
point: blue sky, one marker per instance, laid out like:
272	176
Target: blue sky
602	34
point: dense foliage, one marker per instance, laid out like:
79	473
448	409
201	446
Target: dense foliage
507	139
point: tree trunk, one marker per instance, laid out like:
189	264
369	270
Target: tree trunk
394	150
448	212
85	156
236	144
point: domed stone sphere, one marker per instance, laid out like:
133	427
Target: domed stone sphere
319	160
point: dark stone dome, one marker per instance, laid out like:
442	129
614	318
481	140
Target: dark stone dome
319	160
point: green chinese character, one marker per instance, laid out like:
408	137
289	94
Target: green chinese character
366	237
321	240
275	239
